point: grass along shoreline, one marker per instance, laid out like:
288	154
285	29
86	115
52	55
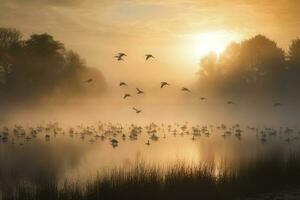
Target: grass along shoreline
179	181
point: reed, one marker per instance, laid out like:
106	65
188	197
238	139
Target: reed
177	181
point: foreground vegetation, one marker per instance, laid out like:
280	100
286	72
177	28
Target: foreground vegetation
176	182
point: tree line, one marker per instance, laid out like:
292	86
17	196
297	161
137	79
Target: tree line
255	67
40	67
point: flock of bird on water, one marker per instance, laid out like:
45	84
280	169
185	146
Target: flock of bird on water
114	133
20	135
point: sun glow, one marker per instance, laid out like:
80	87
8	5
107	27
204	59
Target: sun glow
206	42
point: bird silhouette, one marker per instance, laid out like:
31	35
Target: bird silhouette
126	95
185	89
277	104
230	102
136	110
147	143
120	56
123	84
139	91
114	142
203	98
162	84
89	80
148	56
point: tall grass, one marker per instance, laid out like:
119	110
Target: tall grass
178	181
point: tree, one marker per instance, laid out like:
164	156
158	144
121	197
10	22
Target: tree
254	65
9	37
10	43
294	53
41	67
293	73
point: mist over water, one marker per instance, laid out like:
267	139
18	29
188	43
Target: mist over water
156	107
83	157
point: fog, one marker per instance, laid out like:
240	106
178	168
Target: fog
44	81
177	108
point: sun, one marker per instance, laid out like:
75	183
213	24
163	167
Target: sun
213	41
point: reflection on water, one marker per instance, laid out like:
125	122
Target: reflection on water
83	152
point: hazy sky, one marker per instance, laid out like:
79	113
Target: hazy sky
177	32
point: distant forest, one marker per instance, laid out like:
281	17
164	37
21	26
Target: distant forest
255	67
40	67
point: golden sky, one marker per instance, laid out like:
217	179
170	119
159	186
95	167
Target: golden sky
176	32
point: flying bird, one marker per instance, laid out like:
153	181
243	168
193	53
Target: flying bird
123	83
148	56
139	91
89	80
203	98
230	102
136	110
120	56
185	89
162	84
126	95
277	104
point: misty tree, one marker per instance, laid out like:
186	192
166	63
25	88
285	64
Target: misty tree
41	66
38	66
294	53
293	74
256	65
10	43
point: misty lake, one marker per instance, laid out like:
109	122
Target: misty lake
84	152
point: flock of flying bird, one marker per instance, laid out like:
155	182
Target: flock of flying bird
19	135
120	57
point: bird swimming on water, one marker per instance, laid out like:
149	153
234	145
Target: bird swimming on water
230	102
89	80
147	143
277	104
114	142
